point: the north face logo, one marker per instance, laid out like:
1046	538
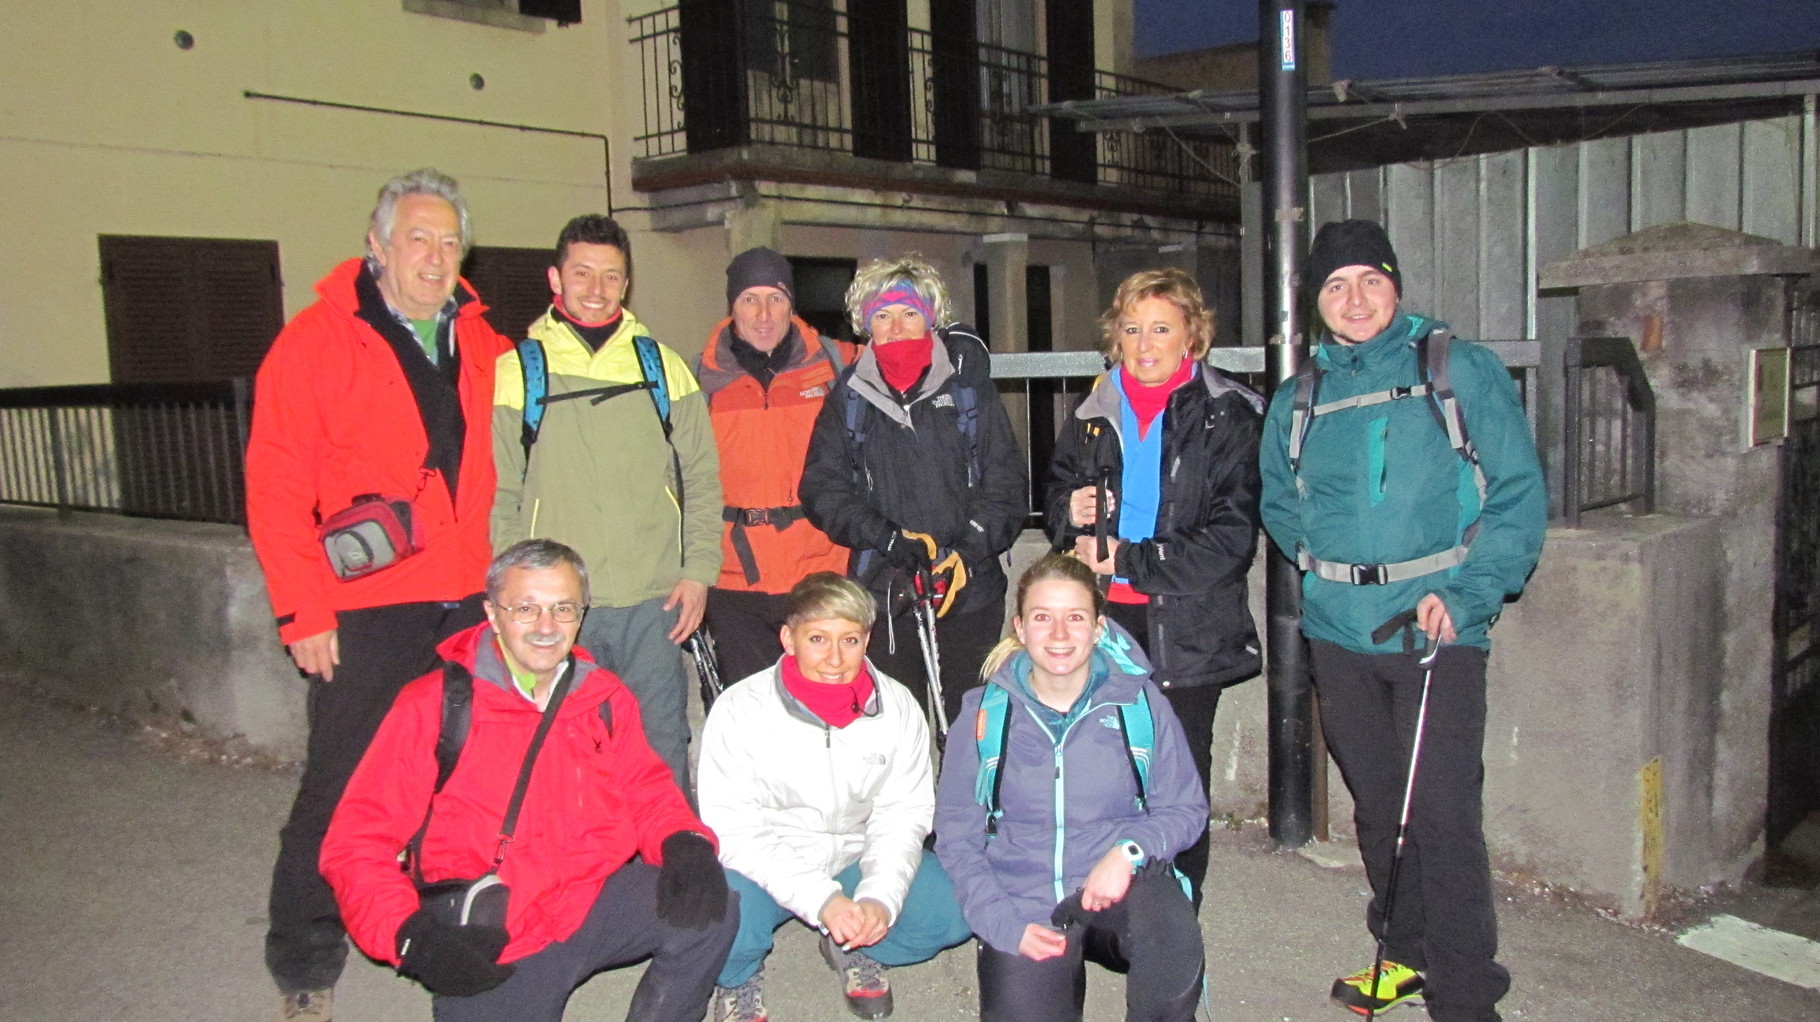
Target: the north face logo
813	392
942	401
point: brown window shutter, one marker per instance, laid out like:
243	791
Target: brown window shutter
512	283
188	309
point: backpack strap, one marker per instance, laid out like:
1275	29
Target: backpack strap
537	388
1433	351
651	368
832	350
991	732
457	718
1138	729
1301	412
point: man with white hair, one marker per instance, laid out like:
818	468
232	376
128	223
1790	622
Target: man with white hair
369	480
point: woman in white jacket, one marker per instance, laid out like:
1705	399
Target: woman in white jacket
815	776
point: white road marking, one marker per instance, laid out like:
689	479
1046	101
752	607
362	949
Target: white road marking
1783	956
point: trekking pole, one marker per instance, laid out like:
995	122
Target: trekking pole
1427	661
700	645
923	609
1100	488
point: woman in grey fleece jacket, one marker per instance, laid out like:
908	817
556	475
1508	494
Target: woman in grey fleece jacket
1076	865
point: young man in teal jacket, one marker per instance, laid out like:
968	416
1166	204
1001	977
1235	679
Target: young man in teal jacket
1386	514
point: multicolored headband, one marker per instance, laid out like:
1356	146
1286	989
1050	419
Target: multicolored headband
900	293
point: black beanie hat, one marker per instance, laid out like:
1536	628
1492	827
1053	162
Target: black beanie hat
760	267
1351	243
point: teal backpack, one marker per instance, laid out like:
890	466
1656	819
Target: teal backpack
1138	727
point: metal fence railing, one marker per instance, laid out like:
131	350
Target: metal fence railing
1609	411
177	450
1590	390
153	450
798	75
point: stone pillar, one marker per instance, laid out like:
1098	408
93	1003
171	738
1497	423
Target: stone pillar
1007	257
1710	295
755	226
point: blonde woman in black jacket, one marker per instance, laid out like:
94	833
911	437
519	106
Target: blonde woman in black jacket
1166	447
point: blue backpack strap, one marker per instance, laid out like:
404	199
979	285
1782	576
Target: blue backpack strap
1139	731
1432	354
651	367
991	731
537	387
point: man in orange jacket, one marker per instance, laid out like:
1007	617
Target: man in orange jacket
766	373
383	387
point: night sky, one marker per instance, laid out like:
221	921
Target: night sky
1405	38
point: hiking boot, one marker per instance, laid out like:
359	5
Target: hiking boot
863	980
308	1006
743	1003
1397	984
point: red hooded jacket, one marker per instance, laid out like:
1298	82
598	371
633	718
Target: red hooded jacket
335	418
598	795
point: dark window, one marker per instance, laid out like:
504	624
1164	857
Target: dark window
186	309
563	12
821	294
513	283
792	38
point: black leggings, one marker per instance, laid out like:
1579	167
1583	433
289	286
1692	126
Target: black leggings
1151	935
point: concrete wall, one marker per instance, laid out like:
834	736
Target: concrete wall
138	616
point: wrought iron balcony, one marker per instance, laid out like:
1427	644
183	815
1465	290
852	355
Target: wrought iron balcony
722	74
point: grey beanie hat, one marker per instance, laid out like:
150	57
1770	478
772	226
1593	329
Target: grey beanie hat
760	267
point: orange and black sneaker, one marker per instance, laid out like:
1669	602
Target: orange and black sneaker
1397	984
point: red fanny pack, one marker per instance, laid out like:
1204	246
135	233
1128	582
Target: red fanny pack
370	535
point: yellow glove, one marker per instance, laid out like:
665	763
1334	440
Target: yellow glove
951	566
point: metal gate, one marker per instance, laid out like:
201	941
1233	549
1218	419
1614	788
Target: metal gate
1794	775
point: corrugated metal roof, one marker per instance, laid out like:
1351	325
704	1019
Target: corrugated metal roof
1401	119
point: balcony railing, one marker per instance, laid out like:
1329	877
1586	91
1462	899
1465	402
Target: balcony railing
719	74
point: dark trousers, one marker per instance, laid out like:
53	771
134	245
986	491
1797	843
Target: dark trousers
1442	922
621	928
1151	935
962	639
745	626
382	648
1194	706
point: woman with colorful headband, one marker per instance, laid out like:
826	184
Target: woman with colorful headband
914	467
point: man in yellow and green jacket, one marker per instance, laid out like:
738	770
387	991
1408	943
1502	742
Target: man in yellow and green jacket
601	475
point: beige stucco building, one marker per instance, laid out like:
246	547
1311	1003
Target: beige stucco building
276	122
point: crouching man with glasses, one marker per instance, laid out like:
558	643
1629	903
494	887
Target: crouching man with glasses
553	794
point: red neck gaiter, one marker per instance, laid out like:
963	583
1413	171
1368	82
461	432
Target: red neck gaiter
901	362
1147	401
836	705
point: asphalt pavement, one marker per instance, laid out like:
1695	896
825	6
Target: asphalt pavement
135	883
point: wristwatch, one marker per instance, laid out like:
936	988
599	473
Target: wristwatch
1132	853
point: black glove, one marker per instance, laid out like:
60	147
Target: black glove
455	961
691	887
908	552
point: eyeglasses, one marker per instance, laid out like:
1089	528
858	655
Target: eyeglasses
529	613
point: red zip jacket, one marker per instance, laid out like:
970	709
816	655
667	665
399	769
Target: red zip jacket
334	418
763	436
597	796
